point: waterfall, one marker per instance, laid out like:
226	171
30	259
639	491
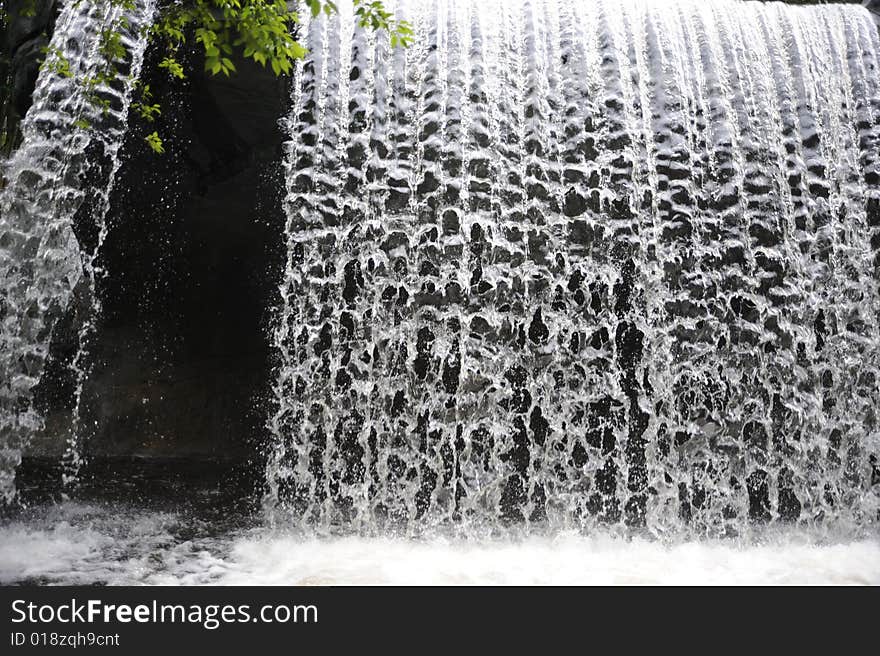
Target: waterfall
66	164
566	264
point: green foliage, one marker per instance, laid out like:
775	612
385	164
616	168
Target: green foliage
29	8
144	108
261	29
56	62
373	14
173	67
110	44
154	141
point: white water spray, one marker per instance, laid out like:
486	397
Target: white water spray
562	264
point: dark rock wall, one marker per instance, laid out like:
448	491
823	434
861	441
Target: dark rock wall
874	7
25	38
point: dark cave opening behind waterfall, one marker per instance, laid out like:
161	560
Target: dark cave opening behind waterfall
180	362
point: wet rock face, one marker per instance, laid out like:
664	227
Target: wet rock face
874	7
24	41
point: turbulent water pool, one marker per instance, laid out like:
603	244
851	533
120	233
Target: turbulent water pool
106	543
168	522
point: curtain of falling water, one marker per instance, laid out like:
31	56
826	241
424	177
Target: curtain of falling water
573	263
60	166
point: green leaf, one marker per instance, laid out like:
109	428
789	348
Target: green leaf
154	141
299	52
173	67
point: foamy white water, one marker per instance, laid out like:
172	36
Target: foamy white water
81	544
561	561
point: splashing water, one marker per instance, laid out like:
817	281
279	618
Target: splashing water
77	544
66	163
562	264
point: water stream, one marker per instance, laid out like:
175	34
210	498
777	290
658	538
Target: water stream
66	164
575	264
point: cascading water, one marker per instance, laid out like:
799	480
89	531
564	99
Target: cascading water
66	163
573	263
